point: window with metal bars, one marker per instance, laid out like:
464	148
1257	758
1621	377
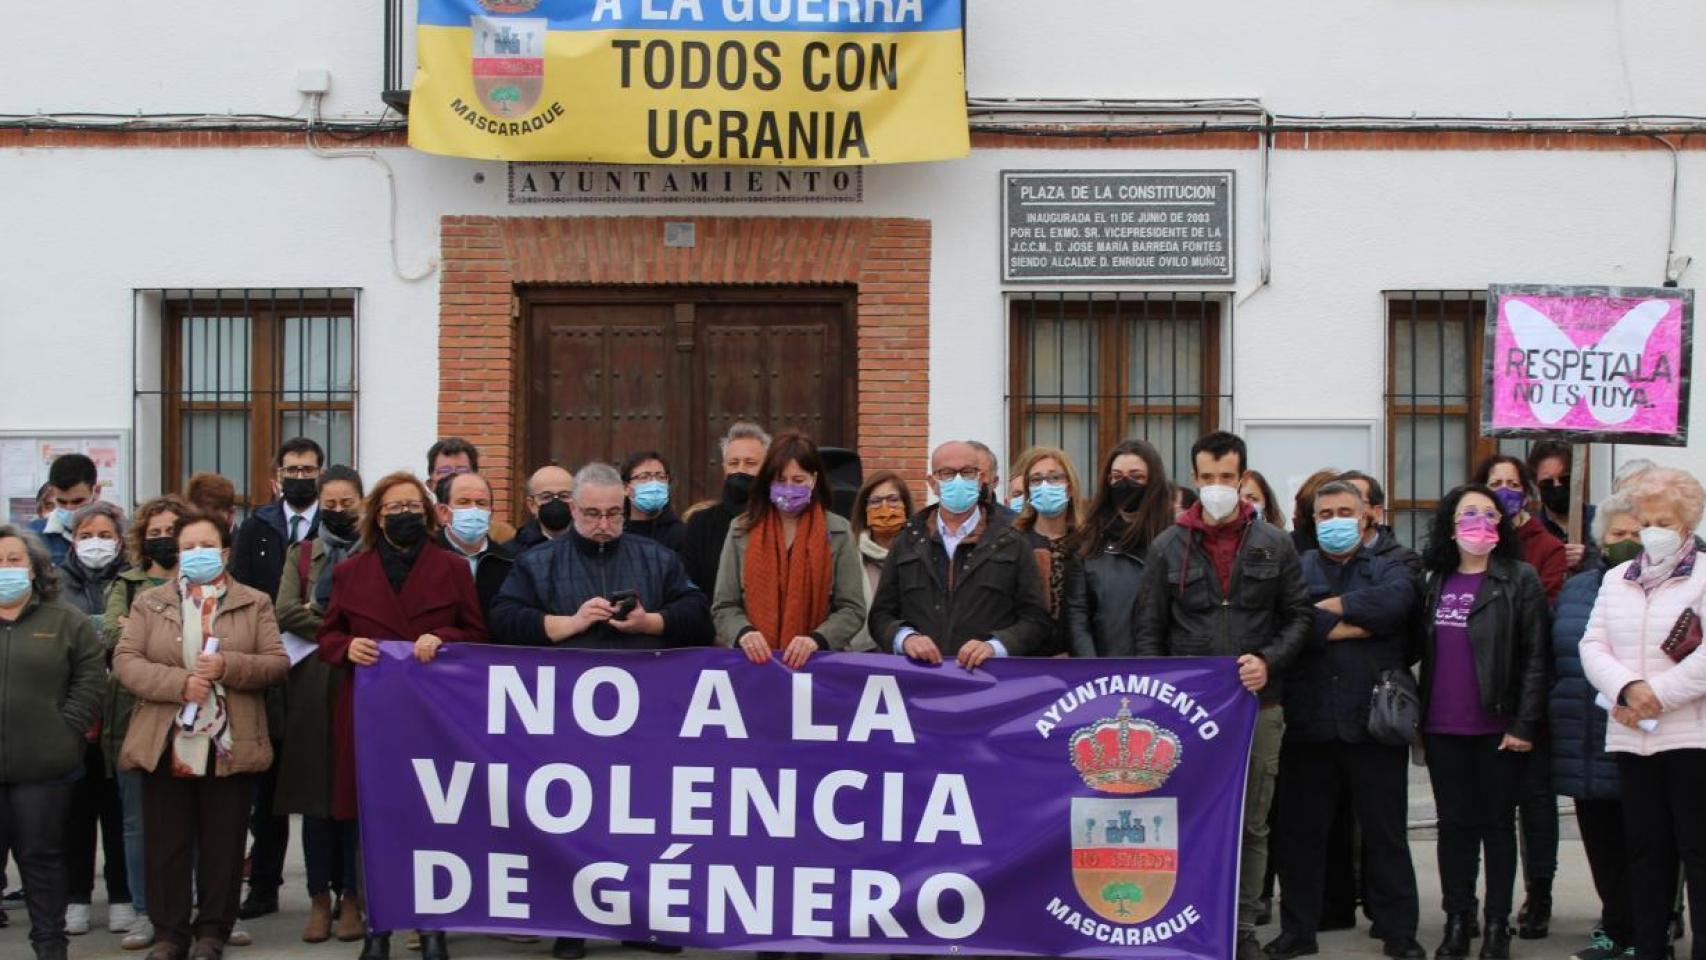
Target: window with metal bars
1433	402
240	372
1088	370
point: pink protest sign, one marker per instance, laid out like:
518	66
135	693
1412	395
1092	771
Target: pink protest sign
1588	364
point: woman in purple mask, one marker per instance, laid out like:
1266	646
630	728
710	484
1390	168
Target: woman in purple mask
1484	657
1510	480
790	581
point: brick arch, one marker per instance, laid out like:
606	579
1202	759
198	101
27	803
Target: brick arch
485	258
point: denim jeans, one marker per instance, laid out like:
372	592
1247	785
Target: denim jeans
136	870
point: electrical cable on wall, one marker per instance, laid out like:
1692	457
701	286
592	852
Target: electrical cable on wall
390	191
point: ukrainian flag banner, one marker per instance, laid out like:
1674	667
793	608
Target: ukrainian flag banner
773	82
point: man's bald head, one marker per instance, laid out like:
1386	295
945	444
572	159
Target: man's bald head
550	481
955	454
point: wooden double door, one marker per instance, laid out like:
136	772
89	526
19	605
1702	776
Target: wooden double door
612	370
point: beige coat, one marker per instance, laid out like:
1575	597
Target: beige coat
149	660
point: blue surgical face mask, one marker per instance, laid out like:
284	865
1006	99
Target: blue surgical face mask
1339	535
1049	498
651	496
470	523
1017	503
201	564
959	494
14	583
62	516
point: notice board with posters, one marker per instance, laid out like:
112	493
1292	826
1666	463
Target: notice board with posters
25	457
766	82
1588	364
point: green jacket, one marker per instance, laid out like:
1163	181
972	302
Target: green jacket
118	702
313	685
51	675
845	617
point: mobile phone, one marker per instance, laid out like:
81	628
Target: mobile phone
624	601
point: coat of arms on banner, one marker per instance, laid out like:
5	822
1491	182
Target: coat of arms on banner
509	62
1125	849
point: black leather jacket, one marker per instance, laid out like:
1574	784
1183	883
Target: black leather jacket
1182	611
1508	631
1101	603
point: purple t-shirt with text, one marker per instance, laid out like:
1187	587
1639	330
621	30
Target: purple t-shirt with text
1454	704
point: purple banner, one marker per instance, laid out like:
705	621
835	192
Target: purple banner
864	804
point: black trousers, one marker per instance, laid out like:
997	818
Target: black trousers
329	852
1537	816
1313	778
32	826
1662	825
194	825
1601	825
271	833
95	804
1476	789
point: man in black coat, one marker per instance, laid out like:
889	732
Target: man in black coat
1221	583
465	521
1364	602
548	493
959	580
257	560
576	590
743	449
647	476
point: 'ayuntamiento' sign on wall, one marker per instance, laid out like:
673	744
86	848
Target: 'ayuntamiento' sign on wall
779	82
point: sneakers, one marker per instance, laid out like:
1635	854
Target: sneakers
140	936
120	916
1599	948
76	919
239	937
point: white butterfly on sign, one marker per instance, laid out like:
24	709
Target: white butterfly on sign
1534	330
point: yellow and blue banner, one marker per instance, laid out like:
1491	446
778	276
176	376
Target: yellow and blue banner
757	82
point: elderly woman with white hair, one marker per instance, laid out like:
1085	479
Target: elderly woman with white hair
1639	653
95	560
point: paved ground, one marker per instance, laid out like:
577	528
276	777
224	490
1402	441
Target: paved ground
278	936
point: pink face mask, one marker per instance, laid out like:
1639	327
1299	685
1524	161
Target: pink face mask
1477	534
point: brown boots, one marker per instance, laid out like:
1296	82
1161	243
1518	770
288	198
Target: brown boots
319	928
350	927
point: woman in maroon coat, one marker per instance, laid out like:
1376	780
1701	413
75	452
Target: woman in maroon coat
400	586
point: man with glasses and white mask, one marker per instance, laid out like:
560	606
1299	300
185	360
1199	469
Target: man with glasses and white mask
595	589
959	581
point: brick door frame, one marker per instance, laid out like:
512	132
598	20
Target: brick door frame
481	393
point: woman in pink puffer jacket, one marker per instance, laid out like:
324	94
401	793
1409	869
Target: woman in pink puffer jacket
1663	770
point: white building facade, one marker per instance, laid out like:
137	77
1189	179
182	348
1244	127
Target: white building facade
216	280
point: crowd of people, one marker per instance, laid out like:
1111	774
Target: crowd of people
179	685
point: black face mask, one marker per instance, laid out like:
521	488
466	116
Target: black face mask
163	551
554	516
1126	495
737	489
339	523
1556	497
405	529
299	492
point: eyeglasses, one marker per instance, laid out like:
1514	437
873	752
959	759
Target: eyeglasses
1056	477
299	472
948	473
552	495
1491	516
1135	476
655	475
594	516
402	506
886	500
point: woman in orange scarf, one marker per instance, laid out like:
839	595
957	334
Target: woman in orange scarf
790	582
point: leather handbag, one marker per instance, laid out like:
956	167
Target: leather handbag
1395	712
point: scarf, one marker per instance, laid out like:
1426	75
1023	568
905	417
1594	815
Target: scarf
334	552
787	588
872	552
397	563
209	727
1650	573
